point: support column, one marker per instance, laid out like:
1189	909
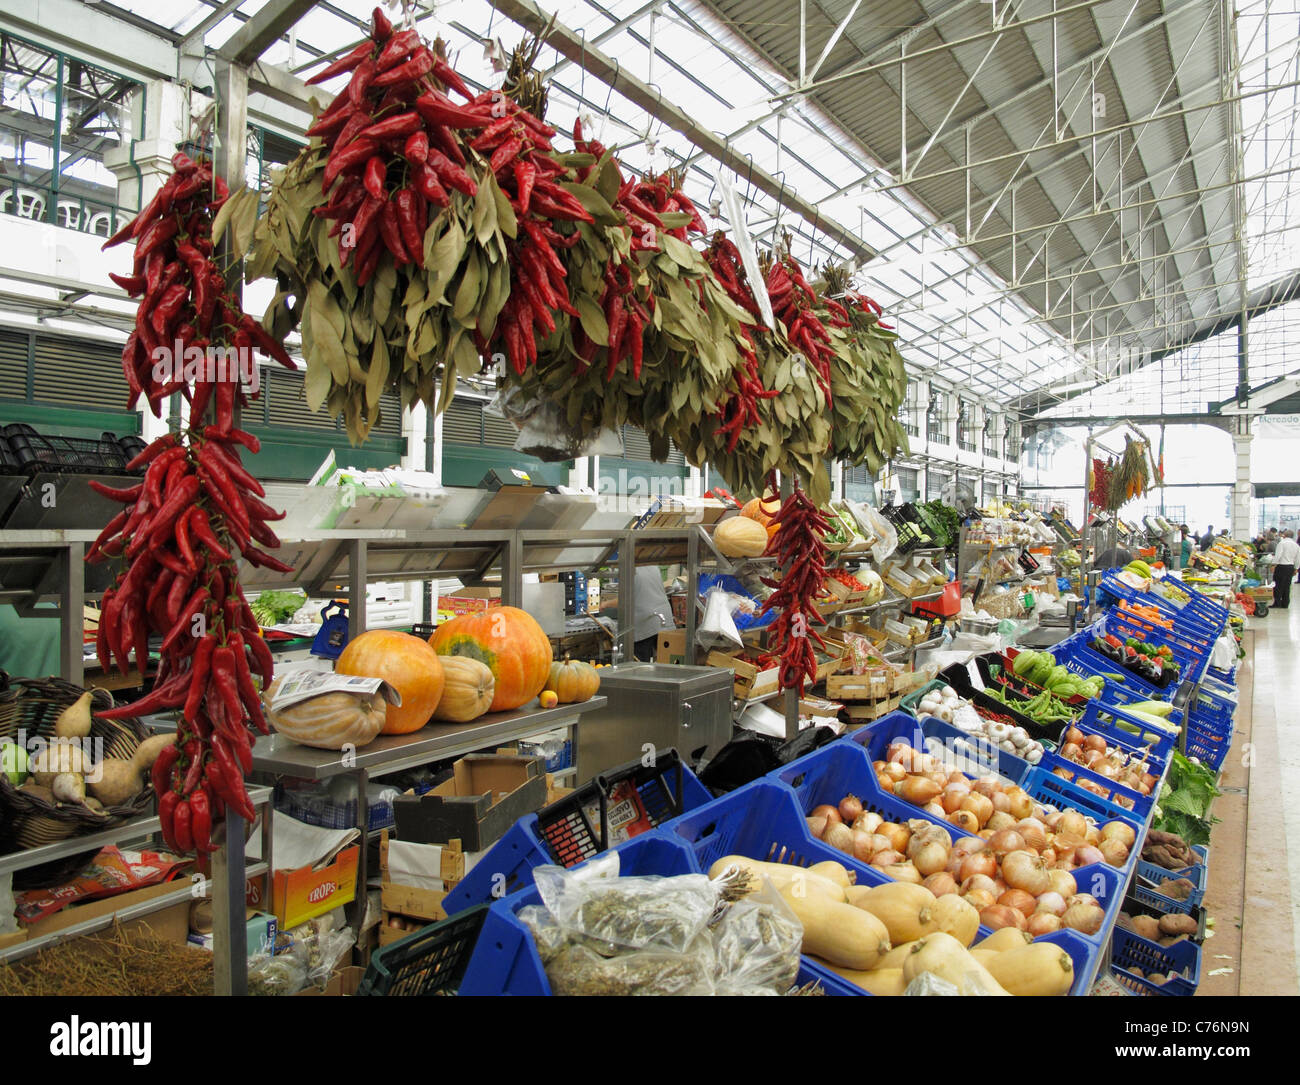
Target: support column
1241	489
415	424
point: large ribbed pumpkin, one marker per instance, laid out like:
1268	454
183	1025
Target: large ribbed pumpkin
510	642
408	664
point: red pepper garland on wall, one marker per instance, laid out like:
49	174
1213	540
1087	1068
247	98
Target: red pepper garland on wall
196	508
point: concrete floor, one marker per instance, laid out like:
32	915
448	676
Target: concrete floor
1254	884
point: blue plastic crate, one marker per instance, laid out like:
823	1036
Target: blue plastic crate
929	734
1046	786
562	833
1198	874
315	808
1105	719
505	959
1207	746
1188	642
1128	951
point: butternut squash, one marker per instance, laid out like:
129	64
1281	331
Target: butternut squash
984	956
740	537
904	909
1039	969
879	981
896	956
836	872
954	916
781	875
1005	939
943	956
838	932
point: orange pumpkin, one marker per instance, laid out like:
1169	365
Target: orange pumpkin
573	681
510	642
408	664
762	511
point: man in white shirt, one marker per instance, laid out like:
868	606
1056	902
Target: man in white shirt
1285	558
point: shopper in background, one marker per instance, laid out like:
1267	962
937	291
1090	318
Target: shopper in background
1184	546
1286	558
1270	540
1207	540
652	613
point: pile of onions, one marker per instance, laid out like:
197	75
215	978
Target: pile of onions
1016	875
1091	751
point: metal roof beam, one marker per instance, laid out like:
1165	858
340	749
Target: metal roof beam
273	19
602	67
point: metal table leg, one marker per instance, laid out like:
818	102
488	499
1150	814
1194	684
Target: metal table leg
229	940
72	576
356	588
363	826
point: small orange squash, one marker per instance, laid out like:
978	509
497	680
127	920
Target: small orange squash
573	681
408	664
760	510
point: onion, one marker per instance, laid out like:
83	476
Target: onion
930	858
955	777
953	796
969	845
1084	898
1073	734
1072	751
1063	883
1000	820
885	858
831	815
1048	855
817	826
1025	870
964	820
1021	805
1084	918
979	805
903	872
1113	852
869	821
1092	836
954	863
934	808
981	882
987	786
898	835
917	790
1094	742
1092	757
941	884
1087	855
1119	830
997	916
981	863
985	833
1072	823
1018	899
1035	835
840	837
1006	840
1001	804
1051	902
850	809
862	846
979	899
1043	923
894	771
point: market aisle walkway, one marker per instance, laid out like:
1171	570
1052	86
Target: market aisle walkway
1255	850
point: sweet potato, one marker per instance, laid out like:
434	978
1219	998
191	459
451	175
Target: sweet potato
1146	926
1176	923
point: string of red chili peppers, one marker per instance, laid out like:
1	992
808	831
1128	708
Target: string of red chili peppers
798	548
740	411
793	303
179	531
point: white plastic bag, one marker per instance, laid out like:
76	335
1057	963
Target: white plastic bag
1224	655
717	627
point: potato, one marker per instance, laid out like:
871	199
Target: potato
1158	978
1146	926
1170	939
1175	923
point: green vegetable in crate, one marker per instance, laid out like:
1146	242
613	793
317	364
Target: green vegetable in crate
1024	662
274	607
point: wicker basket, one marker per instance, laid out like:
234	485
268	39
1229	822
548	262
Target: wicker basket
31	706
1007	605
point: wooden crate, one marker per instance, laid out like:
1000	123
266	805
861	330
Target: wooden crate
848	597
864	712
413	903
749	681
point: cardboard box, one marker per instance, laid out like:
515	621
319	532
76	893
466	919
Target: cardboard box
261	928
470	600
508	508
302	894
486	795
671	647
7	940
161	922
344	981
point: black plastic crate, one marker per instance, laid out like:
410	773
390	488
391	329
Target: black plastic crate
432	961
9	464
65	455
959	678
665	790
